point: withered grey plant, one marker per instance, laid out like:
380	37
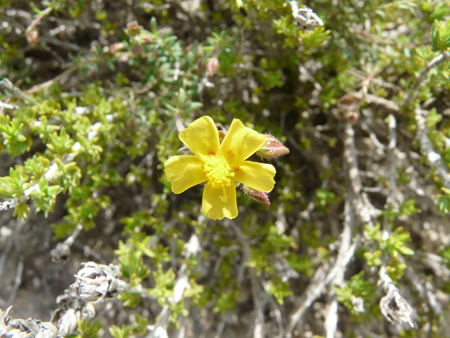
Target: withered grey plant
98	282
71	309
94	283
25	328
395	308
305	17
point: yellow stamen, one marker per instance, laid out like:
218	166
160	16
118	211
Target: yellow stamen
218	172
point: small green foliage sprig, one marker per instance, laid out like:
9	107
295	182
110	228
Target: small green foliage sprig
87	329
140	327
357	294
440	36
393	247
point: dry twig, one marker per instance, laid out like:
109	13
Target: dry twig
434	159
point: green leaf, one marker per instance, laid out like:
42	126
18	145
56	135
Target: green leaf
440	36
141	324
130	299
443	202
22	210
279	290
356	287
153	25
88	330
408	208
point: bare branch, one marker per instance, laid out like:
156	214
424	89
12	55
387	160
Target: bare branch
62	250
7	86
392	125
181	284
393	306
424	288
9	244
314	288
331	317
17	281
434	159
380	101
48	83
363	208
258	301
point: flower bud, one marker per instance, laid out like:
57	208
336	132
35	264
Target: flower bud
256	195
272	148
32	37
137	49
348	99
115	47
201	66
147	39
212	66
133	29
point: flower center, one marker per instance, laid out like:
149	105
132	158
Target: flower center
218	172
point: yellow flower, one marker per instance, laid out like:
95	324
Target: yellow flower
219	165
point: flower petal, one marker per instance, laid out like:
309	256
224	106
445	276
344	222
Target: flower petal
184	172
240	142
220	203
258	176
201	137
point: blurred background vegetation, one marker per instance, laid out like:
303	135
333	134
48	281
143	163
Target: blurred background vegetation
91	94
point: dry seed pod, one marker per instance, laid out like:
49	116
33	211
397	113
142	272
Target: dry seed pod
97	282
71	309
61	253
307	19
395	308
